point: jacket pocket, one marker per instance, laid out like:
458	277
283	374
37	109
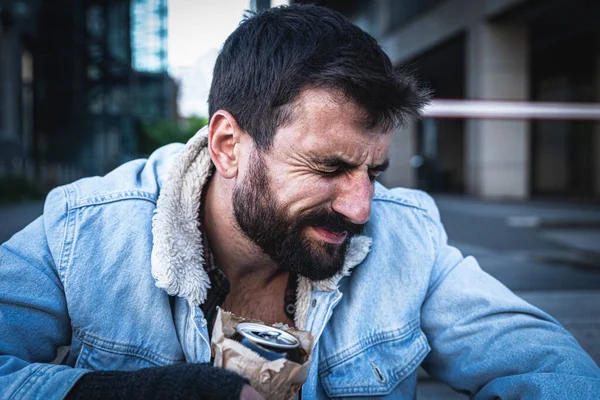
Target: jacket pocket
101	360
103	355
376	367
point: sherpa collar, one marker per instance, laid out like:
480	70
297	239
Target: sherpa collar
177	253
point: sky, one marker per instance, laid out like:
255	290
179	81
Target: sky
196	32
197	26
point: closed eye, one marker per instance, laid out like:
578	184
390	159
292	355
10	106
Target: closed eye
332	172
333	167
377	170
373	175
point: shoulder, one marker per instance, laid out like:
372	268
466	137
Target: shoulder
129	191
401	200
113	212
402	216
139	179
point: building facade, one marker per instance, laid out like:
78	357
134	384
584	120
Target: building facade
18	31
494	49
76	79
154	90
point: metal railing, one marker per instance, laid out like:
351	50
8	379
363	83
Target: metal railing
514	110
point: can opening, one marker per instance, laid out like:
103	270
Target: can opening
269	342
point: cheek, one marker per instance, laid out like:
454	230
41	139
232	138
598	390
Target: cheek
304	193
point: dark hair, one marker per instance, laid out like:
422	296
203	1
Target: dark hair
275	54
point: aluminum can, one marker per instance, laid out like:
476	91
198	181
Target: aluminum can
270	343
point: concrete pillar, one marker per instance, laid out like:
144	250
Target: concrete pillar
403	148
497	152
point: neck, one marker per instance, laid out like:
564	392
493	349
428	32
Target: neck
240	259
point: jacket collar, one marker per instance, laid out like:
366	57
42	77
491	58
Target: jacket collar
177	252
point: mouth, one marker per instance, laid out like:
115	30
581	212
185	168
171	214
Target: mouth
331	237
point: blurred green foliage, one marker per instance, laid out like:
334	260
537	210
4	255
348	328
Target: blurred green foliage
159	133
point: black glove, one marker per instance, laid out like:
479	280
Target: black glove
175	382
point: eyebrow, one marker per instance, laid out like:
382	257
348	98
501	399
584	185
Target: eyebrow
336	162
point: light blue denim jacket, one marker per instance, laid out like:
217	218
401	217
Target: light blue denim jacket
96	272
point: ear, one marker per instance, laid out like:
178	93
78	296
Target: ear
224	136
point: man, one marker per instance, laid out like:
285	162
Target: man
272	212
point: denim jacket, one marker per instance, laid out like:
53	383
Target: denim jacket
113	268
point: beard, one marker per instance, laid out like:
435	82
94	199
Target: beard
281	236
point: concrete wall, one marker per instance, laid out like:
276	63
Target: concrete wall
439	24
400	172
496	153
497	68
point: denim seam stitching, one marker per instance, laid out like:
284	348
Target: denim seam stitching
117	196
395	378
82	359
69	238
64	238
103	344
436	248
124	349
399	202
349	352
430	225
89	346
25	383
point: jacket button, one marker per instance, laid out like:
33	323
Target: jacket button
314	303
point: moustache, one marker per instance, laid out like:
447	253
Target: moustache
333	222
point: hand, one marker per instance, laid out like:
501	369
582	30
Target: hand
248	393
156	383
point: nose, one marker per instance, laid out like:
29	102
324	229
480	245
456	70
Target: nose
353	198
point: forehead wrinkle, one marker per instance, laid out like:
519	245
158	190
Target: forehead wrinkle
352	149
325	124
352	155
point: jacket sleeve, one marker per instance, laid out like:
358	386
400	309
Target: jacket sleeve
489	343
34	320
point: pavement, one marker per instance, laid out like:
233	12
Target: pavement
14	217
546	252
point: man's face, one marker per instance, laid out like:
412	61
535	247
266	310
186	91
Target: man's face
303	199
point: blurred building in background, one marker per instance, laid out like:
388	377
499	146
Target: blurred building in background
18	29
76	79
155	90
494	49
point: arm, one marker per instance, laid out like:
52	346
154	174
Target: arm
34	322
489	343
178	381
33	319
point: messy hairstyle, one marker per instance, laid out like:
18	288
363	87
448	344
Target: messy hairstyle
275	54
